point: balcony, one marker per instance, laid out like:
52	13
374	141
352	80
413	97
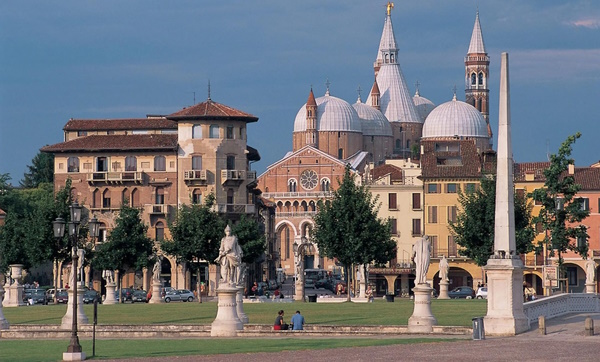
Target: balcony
155	209
293	195
234	208
195	177
116	177
229	177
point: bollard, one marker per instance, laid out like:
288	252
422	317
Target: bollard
589	326
478	330
542	325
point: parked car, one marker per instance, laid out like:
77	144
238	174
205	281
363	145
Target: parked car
309	283
323	283
183	295
50	294
481	293
462	292
140	296
62	296
126	294
34	296
89	296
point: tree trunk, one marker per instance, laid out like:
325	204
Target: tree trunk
120	288
349	282
56	273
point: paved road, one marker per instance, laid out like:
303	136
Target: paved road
564	341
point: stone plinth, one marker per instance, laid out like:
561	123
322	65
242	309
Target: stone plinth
422	320
227	322
67	320
443	290
505	314
156	297
299	289
74	356
14	297
239	299
590	288
3	322
110	294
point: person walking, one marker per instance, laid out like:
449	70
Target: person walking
297	321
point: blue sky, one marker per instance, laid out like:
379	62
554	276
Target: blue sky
119	59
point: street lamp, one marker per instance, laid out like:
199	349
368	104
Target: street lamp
59	232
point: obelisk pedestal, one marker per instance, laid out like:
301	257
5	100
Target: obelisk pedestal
156	297
443	290
422	320
67	320
239	299
227	322
110	294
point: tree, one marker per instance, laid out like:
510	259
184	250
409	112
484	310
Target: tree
127	246
195	235
40	171
474	226
251	238
560	207
347	227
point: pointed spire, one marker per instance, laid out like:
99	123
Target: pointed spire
388	48
375	96
311	99
477	45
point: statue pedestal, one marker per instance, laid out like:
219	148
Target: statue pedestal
443	290
67	320
3	322
156	297
74	356
240	305
299	289
422	320
14	297
505	316
590	288
227	322
110	294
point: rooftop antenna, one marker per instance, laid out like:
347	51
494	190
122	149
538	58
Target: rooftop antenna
209	89
194	97
548	149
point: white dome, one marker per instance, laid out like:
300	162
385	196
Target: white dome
424	106
455	118
333	114
373	122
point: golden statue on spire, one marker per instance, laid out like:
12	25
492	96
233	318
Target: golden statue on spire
390	6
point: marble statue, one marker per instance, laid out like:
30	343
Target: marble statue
590	271
157	269
109	276
444	269
421	255
230	258
80	260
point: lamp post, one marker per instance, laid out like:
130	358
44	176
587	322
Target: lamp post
59	232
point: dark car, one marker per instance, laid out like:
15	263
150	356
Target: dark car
89	296
62	297
127	294
323	283
34	296
140	296
462	292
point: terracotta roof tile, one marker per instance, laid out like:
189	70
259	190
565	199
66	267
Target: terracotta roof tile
384	170
588	178
212	110
535	168
96	143
461	162
119	124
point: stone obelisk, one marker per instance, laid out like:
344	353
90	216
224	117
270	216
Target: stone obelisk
504	268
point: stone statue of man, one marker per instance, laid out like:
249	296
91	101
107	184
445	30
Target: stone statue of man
590	271
157	269
109	276
421	255
444	269
230	258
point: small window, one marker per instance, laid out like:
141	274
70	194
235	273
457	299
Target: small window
292	185
197	196
341	153
392	205
73	164
416	201
241	133
581	241
451	214
130	163
432	214
231	162
229	132
81	133
160	231
101	164
197	131
196	162
481	78
433	188
230	196
416	227
160	163
473	79
434	246
394	225
572	275
470	187
214	131
160	195
325	185
451	188
452	248
585	204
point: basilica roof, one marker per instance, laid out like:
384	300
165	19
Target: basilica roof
424	106
477	45
395	100
372	121
455	119
333	114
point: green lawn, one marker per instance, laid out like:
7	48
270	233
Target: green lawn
447	312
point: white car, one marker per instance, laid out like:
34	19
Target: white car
481	293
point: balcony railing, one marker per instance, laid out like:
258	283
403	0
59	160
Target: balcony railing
116	177
291	195
234	208
296	214
195	175
156	209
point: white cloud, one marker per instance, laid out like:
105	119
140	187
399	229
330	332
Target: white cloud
590	23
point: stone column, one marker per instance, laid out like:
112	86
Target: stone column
443	290
422	320
362	283
227	322
145	284
67	320
240	305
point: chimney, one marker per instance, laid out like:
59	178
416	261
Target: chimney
571	169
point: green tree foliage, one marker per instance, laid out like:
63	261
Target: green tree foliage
561	209
474	226
40	171
347	227
127	246
251	238
195	234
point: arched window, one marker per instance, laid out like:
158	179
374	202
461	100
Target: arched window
284	241
160	163
481	78
473	79
292	184
197	196
312	206
130	163
160	231
135	198
214	131
97	198
125	197
288	206
197	131
304	206
341	153
295	206
106	199
73	164
325	184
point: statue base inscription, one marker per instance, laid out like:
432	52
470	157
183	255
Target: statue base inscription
227	322
422	320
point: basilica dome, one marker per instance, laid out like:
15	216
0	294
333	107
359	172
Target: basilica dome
373	122
455	118
424	106
333	114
